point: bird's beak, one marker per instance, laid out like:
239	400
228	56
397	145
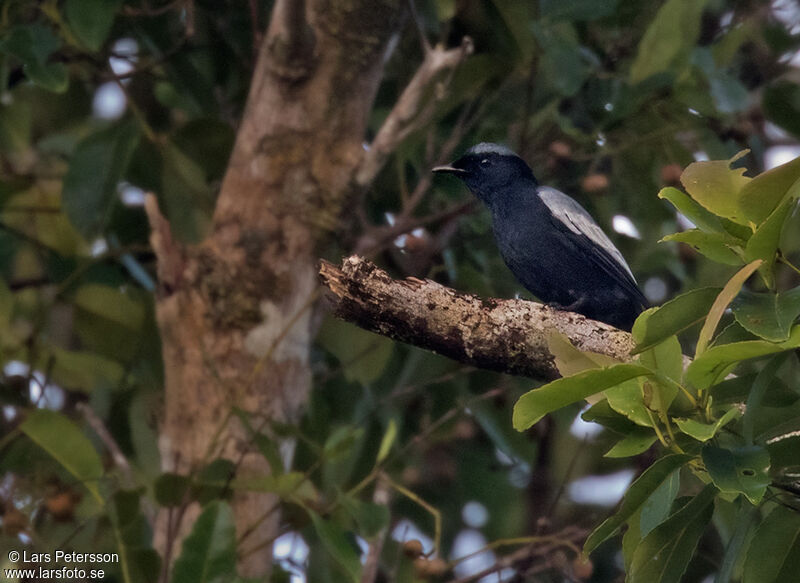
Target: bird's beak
449	169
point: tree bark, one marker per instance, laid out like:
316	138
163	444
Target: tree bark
235	312
509	336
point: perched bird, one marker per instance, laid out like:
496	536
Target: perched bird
548	240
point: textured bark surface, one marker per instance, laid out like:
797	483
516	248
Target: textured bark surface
503	335
235	311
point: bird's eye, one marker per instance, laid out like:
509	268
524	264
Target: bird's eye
485	162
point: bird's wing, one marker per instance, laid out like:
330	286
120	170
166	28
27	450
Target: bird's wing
574	217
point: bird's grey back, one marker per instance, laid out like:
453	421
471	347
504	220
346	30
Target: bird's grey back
574	216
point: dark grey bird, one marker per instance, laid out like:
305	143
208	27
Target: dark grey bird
550	243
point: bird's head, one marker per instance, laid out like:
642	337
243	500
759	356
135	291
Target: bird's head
487	168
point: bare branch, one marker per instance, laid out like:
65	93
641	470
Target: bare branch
410	112
504	335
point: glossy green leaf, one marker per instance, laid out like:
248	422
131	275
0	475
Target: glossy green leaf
665	552
668	40
740	471
737	389
764	193
633	443
719	247
535	404
774	552
716	186
65	441
32	45
717	361
91	20
754	400
656	508
657	324
95	170
602	414
725	297
638	493
628	399
209	552
705	431
666	357
562	61
768	315
569	360
339	545
765	241
780	103
704	220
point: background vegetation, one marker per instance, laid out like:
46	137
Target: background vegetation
609	101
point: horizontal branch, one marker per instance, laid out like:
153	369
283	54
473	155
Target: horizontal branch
504	335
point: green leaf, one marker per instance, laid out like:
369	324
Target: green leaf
95	170
764	193
666	357
139	562
656	508
765	241
737	389
638	493
81	370
91	20
740	471
171	489
6	307
338	545
562	60
774	552
716	186
209	552
704	220
569	360
655	325
110	303
705	431
291	486
725	297
628	399
667	43
756	396
32	45
64	440
535	404
717	361
576	9
665	552
371	518
363	355
768	315
186	198
719	247
634	443
387	441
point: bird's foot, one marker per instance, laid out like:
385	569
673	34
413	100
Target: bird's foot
573	307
